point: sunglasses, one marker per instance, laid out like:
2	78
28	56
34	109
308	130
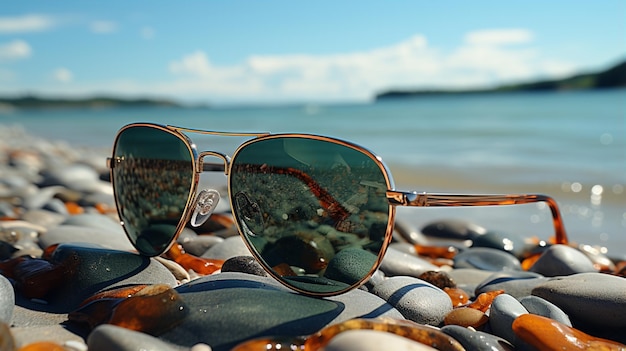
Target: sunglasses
315	211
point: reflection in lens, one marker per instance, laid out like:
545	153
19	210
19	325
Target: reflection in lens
152	176
319	214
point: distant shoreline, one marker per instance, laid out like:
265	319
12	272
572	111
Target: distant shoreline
614	77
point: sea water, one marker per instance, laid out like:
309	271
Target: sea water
570	145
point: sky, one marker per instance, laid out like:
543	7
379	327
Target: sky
230	52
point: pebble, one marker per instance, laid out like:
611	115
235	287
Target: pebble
537	305
7	300
244	264
477	340
589	299
416	299
516	283
403	264
453	230
110	337
487	259
228	248
372	340
560	260
504	310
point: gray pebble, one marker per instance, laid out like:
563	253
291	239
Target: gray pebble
198	244
539	306
487	259
516	283
108	337
416	299
112	239
589	299
453	229
399	263
477	340
469	278
46	219
560	260
217	303
7	300
231	247
504	310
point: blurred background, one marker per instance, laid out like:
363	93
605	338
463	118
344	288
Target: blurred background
480	96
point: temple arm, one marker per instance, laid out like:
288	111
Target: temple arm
400	198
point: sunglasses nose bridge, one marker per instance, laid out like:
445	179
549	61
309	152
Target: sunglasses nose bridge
203	166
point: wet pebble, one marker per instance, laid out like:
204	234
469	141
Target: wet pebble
560	260
477	340
416	299
243	264
487	259
108	238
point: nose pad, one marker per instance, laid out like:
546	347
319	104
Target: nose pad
249	214
206	202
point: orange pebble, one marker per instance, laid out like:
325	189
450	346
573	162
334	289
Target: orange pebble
74	208
203	266
436	251
458	296
530	261
484	300
42	346
548	334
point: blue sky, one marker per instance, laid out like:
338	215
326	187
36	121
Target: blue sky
224	52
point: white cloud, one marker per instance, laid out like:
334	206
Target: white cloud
14	50
483	59
103	27
499	36
147	33
26	23
62	75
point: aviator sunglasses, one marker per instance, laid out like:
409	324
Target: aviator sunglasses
316	212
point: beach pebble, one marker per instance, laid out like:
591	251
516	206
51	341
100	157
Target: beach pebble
539	306
504	310
477	340
94	269
217	303
453	229
591	300
373	340
468	278
516	283
512	244
7	300
560	260
108	337
94	220
350	265
231	247
44	218
197	244
486	259
403	264
75	176
56	333
243	264
114	239
416	299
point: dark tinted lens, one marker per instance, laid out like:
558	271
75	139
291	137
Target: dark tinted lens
152	177
315	212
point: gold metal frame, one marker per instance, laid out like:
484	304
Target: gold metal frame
395	197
